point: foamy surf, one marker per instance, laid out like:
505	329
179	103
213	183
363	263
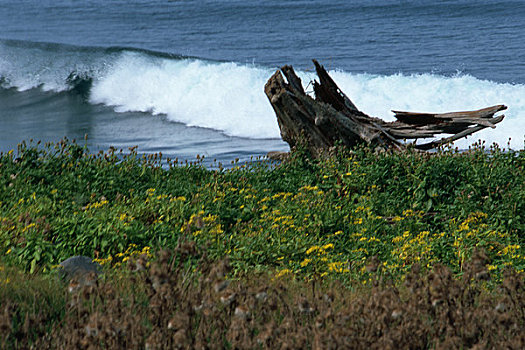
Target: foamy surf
224	96
229	97
378	95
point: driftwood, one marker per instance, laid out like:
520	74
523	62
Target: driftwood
332	117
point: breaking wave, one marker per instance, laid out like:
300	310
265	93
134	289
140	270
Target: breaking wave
229	97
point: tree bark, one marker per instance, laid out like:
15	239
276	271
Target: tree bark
331	117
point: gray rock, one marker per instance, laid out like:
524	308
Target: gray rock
79	268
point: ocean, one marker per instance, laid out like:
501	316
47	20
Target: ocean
186	77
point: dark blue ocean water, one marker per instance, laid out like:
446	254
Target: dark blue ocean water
186	77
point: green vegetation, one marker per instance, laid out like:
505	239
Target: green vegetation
304	217
356	218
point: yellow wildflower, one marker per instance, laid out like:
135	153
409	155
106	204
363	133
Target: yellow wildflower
283	272
312	249
397	239
305	262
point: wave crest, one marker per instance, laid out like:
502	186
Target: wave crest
229	97
223	96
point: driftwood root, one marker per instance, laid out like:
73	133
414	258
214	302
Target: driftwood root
331	118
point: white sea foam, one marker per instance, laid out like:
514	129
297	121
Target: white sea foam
47	66
223	96
229	97
378	95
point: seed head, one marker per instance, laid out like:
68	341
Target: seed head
242	312
228	298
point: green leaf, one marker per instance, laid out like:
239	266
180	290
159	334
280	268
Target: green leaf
429	205
33	266
38	254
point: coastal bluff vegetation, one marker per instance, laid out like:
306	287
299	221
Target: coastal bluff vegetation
356	249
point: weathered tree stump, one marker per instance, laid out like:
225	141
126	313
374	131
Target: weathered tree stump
331	117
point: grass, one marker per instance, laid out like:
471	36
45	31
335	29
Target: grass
182	299
355	218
